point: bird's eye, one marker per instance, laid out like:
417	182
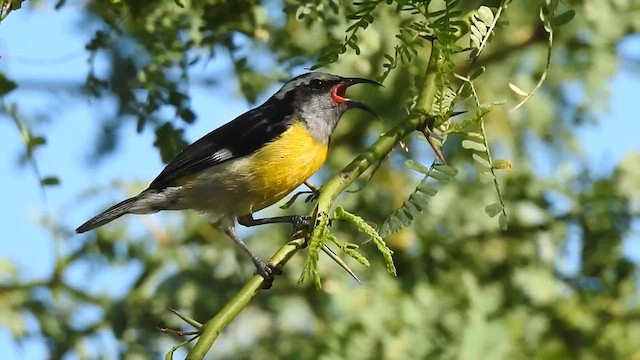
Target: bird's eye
316	84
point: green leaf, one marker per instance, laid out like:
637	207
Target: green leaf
169	140
475	41
169	355
449	170
50	181
475	72
188	116
35	141
502	164
502	220
472	145
563	18
485	14
493	209
485	177
481	161
420	199
482	28
350	249
394	223
475	135
403	217
414	165
362	225
427	189
442	177
478	35
385	230
414	209
517	90
6	85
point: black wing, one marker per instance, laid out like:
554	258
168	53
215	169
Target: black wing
240	137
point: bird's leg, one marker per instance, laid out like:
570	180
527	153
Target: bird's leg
314	191
263	268
311	186
301	224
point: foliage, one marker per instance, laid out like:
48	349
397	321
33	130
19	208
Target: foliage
468	286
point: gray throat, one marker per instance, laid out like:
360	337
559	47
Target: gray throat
321	122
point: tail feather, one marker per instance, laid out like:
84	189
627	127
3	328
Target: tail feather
108	215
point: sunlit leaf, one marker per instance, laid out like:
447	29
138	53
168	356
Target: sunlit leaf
481	161
503	222
447	169
502	164
414	165
485	14
493	209
517	90
472	145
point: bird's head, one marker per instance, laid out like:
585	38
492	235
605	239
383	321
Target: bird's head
319	100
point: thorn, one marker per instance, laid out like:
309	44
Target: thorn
327	250
427	134
177	332
188	320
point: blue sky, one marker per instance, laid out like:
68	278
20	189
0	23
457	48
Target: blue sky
49	45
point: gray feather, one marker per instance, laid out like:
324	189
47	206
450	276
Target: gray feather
108	215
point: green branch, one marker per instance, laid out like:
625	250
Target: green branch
214	327
326	198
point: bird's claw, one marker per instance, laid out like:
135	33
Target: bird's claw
301	226
267	271
311	197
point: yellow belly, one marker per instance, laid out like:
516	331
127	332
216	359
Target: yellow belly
285	163
243	186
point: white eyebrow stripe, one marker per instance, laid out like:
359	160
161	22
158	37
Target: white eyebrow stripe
222	155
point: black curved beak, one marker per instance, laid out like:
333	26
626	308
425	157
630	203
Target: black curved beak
353	81
347	82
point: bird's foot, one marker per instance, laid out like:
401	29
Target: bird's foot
301	226
267	271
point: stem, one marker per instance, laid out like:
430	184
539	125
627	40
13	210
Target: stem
214	327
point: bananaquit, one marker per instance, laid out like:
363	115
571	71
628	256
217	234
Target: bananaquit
251	162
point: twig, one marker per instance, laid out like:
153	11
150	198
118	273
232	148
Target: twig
214	327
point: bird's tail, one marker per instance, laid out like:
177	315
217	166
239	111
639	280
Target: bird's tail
108	215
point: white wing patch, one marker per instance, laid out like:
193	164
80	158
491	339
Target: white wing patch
222	155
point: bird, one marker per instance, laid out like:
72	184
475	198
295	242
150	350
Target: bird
251	162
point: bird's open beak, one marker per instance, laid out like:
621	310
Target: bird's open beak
338	93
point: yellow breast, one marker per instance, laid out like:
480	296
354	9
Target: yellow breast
283	164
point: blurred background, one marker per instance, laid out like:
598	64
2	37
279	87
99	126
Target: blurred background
96	96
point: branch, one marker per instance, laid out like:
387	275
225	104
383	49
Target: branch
327	195
214	327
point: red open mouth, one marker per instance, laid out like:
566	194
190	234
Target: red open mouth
338	92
